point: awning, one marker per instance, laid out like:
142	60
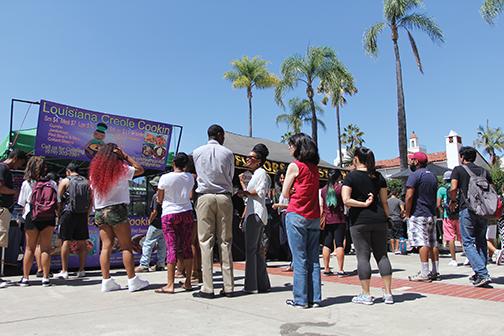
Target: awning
433	168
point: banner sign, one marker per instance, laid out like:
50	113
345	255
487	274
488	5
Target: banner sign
68	132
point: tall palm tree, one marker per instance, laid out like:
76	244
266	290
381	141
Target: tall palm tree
335	88
352	138
491	8
250	73
300	113
316	65
491	140
400	15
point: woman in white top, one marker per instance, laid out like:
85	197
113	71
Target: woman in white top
109	174
174	193
255	219
37	230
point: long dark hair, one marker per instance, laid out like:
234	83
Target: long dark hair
36	169
306	149
366	157
331	197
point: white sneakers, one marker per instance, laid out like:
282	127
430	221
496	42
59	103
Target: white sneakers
81	274
134	284
453	263
109	285
61	275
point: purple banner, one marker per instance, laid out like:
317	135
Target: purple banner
68	132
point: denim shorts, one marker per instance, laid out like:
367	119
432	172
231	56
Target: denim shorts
112	215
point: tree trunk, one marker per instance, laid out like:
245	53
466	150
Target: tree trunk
249	96
401	112
314	124
339	134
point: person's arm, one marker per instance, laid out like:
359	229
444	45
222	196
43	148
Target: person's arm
62	187
261	188
290	176
349	202
453	194
322	215
383	198
4	190
409	201
138	168
152	216
160	196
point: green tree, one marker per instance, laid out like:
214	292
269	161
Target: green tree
491	140
352	138
286	136
490	9
400	15
300	113
318	63
335	88
497	177
248	74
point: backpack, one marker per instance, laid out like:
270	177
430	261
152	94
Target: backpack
446	205
44	201
481	196
79	194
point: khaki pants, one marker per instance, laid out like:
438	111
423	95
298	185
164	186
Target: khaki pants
5	217
215	222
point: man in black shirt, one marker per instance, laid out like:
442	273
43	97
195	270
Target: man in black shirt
153	236
472	227
15	160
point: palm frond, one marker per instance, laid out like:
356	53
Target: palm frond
370	38
415	51
490	9
394	9
424	23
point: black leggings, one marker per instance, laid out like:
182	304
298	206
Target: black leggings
367	238
333	234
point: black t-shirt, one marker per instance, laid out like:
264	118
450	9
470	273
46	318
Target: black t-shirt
460	174
6	201
362	184
156	206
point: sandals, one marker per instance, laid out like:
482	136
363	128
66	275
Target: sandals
163	291
328	273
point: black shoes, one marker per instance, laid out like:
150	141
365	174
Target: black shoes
203	295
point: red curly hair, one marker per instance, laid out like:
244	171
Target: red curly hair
106	169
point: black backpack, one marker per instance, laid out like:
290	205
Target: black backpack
79	194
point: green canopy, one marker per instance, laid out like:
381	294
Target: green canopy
23	139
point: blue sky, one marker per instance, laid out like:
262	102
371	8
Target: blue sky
164	60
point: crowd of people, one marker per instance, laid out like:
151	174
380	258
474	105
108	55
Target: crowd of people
191	213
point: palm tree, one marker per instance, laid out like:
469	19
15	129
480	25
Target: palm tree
318	64
249	73
300	113
490	9
335	89
491	140
352	138
399	14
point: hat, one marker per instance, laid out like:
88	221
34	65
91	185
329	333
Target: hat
154	182
419	156
447	175
101	127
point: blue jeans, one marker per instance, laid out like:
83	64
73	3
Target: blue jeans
303	236
473	231
152	237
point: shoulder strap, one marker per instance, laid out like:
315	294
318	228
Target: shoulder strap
469	171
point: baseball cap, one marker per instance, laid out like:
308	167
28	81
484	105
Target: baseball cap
419	156
447	175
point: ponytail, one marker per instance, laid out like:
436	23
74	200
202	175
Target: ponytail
331	197
366	157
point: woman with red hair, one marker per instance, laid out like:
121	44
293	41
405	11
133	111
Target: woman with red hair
109	173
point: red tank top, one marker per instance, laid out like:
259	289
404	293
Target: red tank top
305	201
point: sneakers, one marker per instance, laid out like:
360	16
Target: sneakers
158	268
46	282
481	282
141	269
397	252
81	274
23	282
363	299
499	259
3	284
62	275
388	298
293	304
466	262
434	276
453	263
473	277
136	284
419	277
109	285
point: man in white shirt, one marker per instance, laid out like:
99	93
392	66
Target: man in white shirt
214	165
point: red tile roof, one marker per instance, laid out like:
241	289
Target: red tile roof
392	163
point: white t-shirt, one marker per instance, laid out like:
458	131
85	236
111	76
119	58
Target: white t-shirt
260	182
177	191
119	193
25	195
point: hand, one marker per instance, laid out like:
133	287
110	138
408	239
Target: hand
242	193
369	200
120	153
240	226
452	206
322	222
274	206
